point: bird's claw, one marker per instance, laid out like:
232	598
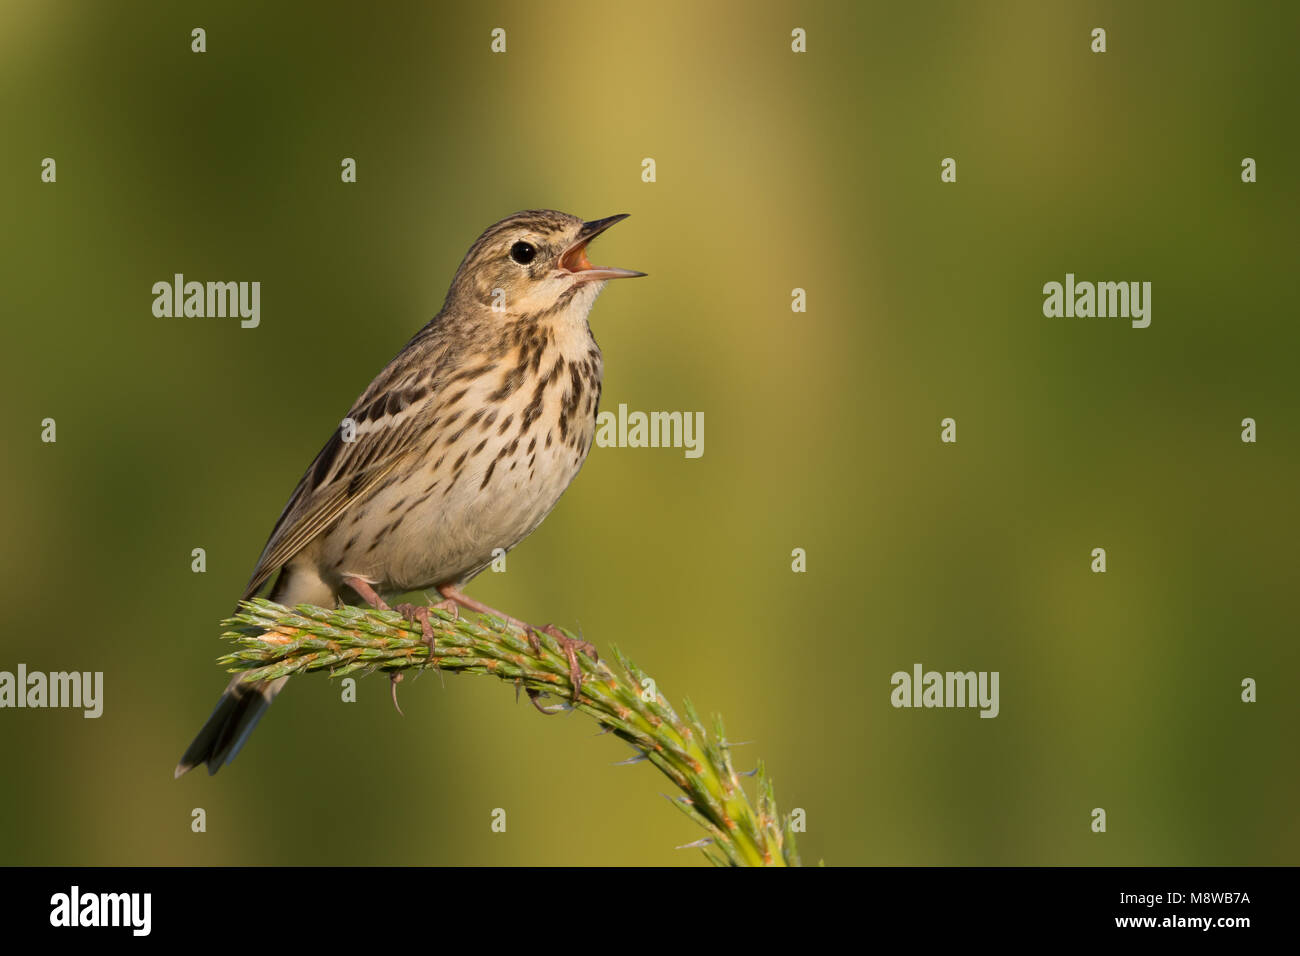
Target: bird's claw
534	695
420	613
396	678
570	646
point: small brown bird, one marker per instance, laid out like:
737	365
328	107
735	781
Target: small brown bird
460	446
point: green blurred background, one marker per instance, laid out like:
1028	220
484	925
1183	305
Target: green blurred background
775	171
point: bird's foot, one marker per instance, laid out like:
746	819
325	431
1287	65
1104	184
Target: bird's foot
420	613
570	646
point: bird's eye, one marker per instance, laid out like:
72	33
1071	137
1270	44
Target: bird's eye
523	252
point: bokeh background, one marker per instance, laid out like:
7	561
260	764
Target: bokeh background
775	171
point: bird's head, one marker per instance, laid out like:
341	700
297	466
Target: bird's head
535	263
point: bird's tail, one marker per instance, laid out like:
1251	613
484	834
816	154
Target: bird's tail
235	716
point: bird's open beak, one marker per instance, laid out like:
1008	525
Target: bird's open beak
574	260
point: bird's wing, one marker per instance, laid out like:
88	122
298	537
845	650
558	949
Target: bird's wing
388	421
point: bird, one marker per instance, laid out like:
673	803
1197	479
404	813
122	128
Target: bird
459	447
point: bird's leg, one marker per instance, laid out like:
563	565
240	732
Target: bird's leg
464	600
371	597
569	645
411	612
367	593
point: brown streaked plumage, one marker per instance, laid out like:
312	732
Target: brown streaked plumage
460	446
